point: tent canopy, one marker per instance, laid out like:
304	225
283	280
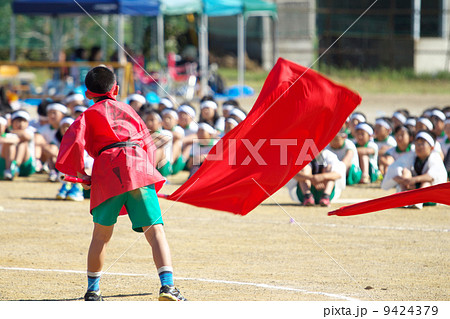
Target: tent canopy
59	7
259	6
178	7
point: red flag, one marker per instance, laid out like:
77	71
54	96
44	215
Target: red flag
435	194
296	115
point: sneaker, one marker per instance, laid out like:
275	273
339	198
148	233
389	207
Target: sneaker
309	200
93	296
7	175
170	293
75	193
324	202
53	176
62	193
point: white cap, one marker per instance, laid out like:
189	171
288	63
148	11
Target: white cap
137	97
165	101
232	121
208	103
74	97
438	114
20	114
66	120
383	123
171	112
399	116
79	108
366	127
58	107
427	137
358	116
208	128
187	109
236	112
3	121
426	122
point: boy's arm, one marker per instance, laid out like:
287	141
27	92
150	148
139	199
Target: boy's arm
23	135
365	151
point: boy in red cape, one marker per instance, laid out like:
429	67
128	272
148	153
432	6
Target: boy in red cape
123	175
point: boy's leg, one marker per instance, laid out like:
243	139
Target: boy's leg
364	165
156	237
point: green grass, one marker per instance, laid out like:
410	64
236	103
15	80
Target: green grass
376	81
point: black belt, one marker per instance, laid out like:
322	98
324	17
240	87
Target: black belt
118	144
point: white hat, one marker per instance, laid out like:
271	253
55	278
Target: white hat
58	107
383	123
232	121
427	137
399	116
74	97
426	122
79	108
187	109
209	103
3	121
438	114
236	112
165	101
137	97
21	114
170	111
365	127
208	128
66	120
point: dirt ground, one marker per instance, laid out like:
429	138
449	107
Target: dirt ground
398	254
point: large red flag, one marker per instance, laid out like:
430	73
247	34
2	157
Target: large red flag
436	194
296	115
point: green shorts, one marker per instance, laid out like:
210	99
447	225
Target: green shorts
27	168
316	194
166	170
374	173
2	167
142	206
354	175
178	165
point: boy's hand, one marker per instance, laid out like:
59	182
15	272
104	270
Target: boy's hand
85	177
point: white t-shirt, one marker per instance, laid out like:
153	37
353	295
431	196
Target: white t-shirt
390	141
396	153
341	152
48	132
433	167
191	129
373	159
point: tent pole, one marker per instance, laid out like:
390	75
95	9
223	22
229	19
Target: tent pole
160	30
241	52
76	26
203	48
275	40
120	39
12	46
104	37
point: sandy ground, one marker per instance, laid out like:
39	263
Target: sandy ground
398	254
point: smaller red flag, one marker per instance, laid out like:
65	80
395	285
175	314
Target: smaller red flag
435	194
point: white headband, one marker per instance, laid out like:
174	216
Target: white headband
228	107
358	116
399	116
74	97
187	109
365	127
57	107
438	114
208	128
3	121
137	97
425	122
383	123
210	104
66	120
241	115
21	114
79	108
411	121
427	137
165	101
232	121
171	112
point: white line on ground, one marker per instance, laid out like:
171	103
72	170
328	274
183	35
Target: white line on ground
226	282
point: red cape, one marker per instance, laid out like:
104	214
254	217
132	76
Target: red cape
435	194
297	113
117	170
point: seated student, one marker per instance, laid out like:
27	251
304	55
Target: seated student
346	152
209	114
424	124
383	139
163	142
355	119
72	100
18	148
228	106
78	110
170	123
230	123
207	138
165	103
411	124
238	115
417	169
404	138
446	146
46	149
137	102
438	119
319	182
186	115
367	153
399	118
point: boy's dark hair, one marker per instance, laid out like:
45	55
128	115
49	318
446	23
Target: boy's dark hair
404	127
405	112
100	80
231	102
